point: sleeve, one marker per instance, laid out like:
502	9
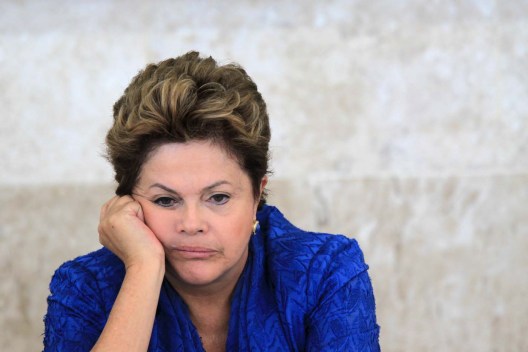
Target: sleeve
75	316
345	319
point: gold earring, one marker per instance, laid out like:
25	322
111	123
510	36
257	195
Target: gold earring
255	226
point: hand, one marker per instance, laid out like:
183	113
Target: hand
122	230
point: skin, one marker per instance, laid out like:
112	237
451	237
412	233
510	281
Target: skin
189	219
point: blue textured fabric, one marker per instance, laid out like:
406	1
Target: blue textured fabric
299	291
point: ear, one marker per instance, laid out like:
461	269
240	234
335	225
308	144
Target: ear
263	184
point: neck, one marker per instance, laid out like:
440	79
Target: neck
209	310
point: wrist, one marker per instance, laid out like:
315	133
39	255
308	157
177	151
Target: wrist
152	266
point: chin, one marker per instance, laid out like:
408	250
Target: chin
194	274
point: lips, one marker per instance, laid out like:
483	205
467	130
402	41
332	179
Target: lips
195	252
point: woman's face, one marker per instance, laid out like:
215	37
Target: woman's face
200	205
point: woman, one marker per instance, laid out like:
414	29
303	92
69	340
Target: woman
194	259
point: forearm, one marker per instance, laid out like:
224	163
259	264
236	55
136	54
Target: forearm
130	323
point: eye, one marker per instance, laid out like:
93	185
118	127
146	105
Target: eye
219	198
165	202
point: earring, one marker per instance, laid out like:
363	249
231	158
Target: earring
255	227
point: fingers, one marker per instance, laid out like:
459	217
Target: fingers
108	204
122	229
112	212
115	203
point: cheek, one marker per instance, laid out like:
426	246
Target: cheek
237	231
156	221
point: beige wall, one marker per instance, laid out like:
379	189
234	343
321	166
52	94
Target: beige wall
403	124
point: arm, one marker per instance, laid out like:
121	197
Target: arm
76	314
122	229
129	325
75	311
345	320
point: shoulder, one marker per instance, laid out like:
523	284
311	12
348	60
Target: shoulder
100	264
82	292
305	249
314	264
99	273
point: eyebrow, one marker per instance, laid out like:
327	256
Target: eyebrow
208	188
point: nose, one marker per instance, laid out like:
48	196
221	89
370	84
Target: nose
192	220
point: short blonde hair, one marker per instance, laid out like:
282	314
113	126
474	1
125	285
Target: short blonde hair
189	98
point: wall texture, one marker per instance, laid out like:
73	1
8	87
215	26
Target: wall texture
401	123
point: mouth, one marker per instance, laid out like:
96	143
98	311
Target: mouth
195	252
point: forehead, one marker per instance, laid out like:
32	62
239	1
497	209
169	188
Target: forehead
197	159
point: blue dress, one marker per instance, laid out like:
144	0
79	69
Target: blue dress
299	291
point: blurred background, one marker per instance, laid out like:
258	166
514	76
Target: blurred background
403	124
